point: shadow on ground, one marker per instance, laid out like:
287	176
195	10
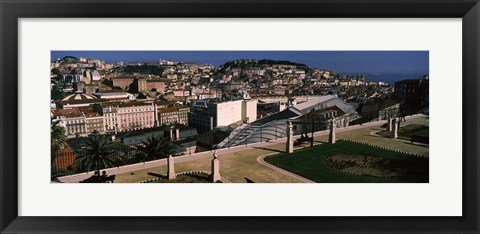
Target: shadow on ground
416	144
156	175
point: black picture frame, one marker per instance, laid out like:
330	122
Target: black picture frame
11	11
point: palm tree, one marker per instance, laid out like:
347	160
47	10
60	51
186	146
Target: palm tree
57	137
99	153
155	147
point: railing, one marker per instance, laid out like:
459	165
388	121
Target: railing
66	163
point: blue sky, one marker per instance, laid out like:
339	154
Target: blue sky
339	61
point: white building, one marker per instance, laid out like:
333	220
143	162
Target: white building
135	116
71	78
96	75
72	120
115	95
210	115
127	116
249	110
227	113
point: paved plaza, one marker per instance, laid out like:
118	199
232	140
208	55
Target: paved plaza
242	162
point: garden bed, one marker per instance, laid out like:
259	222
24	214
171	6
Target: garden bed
366	165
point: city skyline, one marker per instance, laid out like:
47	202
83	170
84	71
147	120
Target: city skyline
338	61
247	121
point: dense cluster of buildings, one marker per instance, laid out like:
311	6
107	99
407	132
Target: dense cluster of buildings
114	113
248	100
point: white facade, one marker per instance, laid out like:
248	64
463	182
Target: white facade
135	117
227	113
73	126
110	118
127	116
205	116
249	110
96	75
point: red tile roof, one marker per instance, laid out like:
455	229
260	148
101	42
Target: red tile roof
68	113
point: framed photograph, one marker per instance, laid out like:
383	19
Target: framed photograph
226	116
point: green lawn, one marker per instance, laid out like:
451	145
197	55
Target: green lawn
421	131
311	163
413	132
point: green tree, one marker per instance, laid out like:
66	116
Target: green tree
99	152
57	136
55	71
155	147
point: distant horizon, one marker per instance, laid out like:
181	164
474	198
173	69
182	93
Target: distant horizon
409	62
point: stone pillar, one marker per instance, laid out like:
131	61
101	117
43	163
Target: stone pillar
177	134
290	138
389	124
395	128
171	168
331	136
171	134
215	176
